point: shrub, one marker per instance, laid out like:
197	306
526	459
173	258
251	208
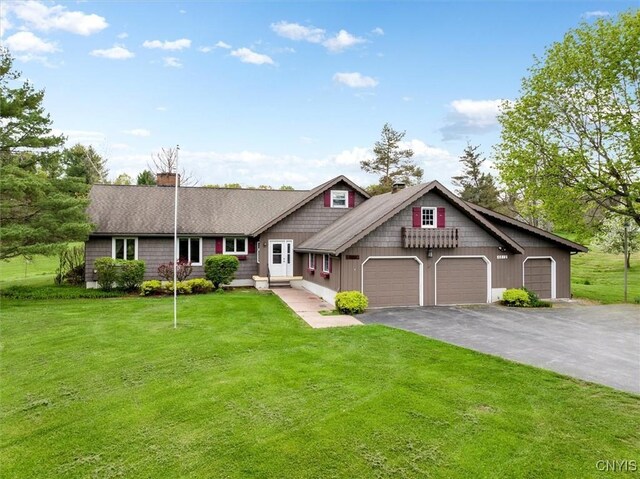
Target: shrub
107	273
516	297
71	266
152	288
55	292
351	302
183	270
130	274
535	301
183	287
220	269
200	285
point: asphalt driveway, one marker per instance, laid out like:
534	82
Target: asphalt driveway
594	343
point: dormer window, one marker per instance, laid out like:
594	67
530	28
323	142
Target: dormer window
339	199
428	215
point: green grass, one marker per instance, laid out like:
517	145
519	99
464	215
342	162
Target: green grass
40	270
107	388
599	277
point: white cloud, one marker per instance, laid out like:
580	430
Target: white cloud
122	35
378	31
140	132
297	32
117	52
222	44
407	98
429	154
471	117
353	156
161	108
168	45
42	17
248	56
596	14
355	80
84	137
171	62
5	24
27	42
182	12
342	41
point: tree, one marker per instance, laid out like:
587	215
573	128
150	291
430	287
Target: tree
146	178
41	209
571	143
473	184
84	162
611	237
286	188
166	162
123	179
391	162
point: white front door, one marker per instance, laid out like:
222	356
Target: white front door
281	257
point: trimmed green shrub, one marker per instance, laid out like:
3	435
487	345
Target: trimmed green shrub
220	269
200	285
130	274
106	272
535	301
152	288
56	292
183	287
516	297
351	302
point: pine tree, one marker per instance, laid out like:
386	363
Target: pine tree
41	209
392	162
146	178
473	184
84	162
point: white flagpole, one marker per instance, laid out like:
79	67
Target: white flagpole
175	243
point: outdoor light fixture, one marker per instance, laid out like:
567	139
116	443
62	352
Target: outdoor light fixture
502	249
429	253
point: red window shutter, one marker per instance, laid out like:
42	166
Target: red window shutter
417	217
327	199
218	245
252	246
441	221
352	199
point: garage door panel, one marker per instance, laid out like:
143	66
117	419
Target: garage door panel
461	281
537	276
392	282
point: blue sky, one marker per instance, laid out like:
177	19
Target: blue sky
282	92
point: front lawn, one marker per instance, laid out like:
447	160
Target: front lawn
107	388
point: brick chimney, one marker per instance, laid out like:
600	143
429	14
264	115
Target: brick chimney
167	179
397	187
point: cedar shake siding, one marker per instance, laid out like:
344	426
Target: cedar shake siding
155	251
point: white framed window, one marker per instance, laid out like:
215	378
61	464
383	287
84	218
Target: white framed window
235	246
326	263
312	261
124	248
339	199
190	249
258	251
429	217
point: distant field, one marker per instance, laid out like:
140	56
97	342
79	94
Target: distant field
39	271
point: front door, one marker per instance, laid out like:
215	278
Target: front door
281	257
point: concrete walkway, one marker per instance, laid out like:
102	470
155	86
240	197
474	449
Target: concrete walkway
307	305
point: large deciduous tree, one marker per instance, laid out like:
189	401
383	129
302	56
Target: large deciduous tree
392	162
570	145
475	185
611	237
166	161
41	208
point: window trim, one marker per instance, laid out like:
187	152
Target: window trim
189	249
235	238
435	216
135	247
327	263
346	198
311	262
258	251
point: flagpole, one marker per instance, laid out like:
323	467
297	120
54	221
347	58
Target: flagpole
175	243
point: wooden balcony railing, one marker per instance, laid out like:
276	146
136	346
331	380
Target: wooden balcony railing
430	237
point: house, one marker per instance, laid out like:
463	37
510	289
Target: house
419	245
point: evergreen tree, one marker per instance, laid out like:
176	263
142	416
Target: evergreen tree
41	209
123	179
392	162
85	163
146	178
473	184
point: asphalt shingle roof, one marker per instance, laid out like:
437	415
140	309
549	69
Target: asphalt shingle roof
117	209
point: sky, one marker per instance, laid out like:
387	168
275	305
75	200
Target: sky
282	92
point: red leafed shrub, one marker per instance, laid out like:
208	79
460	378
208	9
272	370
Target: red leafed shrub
183	271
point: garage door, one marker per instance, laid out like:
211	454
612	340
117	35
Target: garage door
537	276
391	282
461	281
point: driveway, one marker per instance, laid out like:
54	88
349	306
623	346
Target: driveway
594	343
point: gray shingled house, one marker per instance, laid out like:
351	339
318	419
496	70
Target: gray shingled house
419	245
